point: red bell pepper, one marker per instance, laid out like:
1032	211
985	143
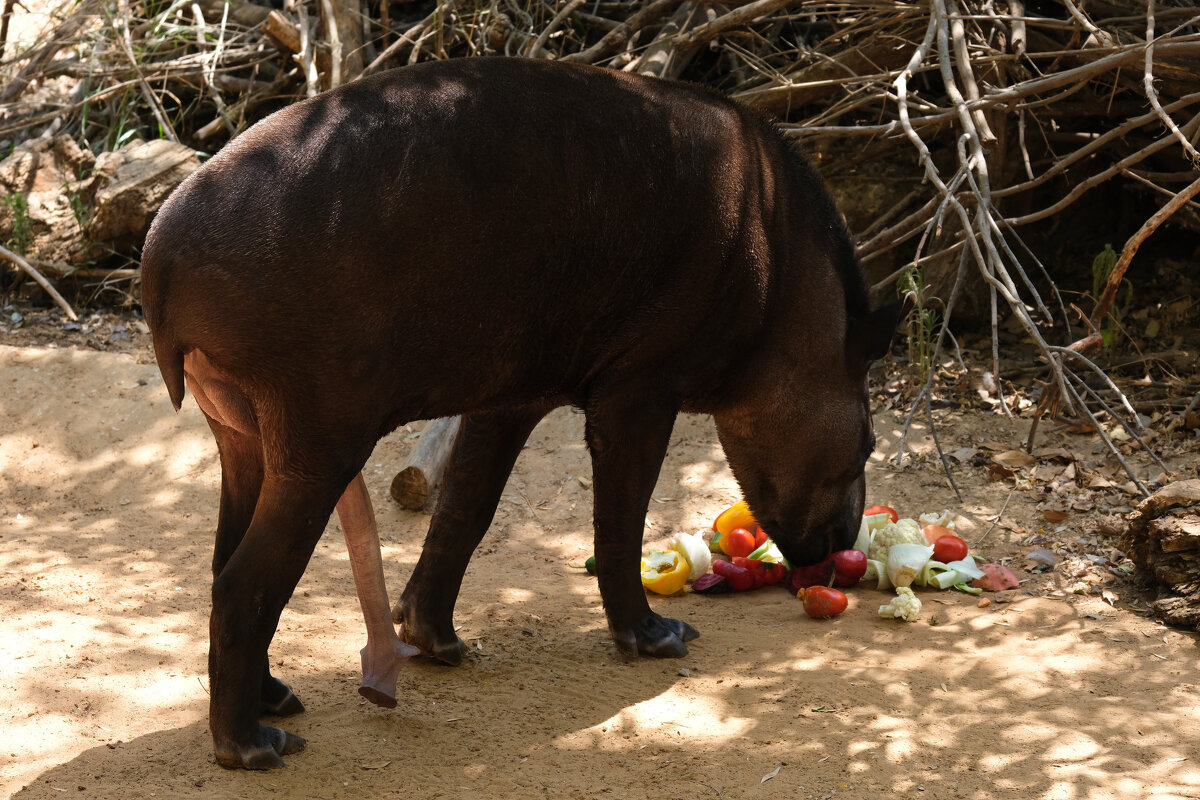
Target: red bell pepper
740	579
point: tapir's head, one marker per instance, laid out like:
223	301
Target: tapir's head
798	446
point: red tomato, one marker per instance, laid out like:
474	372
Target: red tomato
775	574
738	542
822	602
891	512
949	548
848	567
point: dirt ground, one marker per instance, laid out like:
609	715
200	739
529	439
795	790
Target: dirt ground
1063	688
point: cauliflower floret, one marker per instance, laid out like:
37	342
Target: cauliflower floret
945	519
905	605
906	531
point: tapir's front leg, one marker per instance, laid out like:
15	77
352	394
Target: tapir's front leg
628	436
485	449
384	654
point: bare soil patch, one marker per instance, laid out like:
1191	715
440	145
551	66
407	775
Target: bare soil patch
1063	688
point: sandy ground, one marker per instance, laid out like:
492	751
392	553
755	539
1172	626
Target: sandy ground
109	500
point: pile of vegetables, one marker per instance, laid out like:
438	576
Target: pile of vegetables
896	554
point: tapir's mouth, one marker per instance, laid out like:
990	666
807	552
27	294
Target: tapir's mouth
810	548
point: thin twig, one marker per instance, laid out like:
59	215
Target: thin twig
1148	86
41	281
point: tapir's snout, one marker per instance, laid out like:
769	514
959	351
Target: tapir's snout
803	545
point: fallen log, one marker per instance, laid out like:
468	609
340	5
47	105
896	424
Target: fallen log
414	485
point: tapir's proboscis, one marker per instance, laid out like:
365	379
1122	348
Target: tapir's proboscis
494	238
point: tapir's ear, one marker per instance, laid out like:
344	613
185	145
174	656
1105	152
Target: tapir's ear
870	337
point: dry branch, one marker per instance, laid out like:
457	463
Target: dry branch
991	117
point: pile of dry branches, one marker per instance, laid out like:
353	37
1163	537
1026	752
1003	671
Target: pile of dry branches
992	115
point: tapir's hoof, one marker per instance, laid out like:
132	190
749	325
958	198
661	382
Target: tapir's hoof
655	636
416	630
451	650
266	752
278	700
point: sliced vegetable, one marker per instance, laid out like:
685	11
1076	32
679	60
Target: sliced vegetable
822	602
775	572
940	575
738	542
664	573
891	512
944	519
767	551
870	525
906	531
996	578
949	548
711	583
755	568
736	516
740	579
905	605
849	566
760	536
967	568
905	562
934	532
819	574
694	551
877	571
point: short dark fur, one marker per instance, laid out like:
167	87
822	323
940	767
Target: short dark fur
495	238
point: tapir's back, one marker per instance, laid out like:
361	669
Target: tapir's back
505	228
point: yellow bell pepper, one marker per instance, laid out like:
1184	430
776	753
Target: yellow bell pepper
664	573
736	516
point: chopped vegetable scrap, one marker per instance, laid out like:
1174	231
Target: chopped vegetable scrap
712	583
822	602
905	605
738	542
891	512
664	573
994	578
694	551
894	552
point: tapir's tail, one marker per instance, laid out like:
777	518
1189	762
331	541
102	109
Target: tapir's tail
167	351
170	364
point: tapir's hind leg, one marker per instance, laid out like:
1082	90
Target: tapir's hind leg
627	433
248	596
241	481
485	450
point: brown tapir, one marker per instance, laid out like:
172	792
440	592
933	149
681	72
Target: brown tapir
494	238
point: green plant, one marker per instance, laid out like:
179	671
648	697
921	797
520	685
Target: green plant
921	325
21	237
1102	267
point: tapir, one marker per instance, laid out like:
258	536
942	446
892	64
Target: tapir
494	238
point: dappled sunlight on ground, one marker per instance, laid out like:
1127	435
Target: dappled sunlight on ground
105	542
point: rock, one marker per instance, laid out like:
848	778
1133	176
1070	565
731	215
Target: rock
1163	540
129	186
74	206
